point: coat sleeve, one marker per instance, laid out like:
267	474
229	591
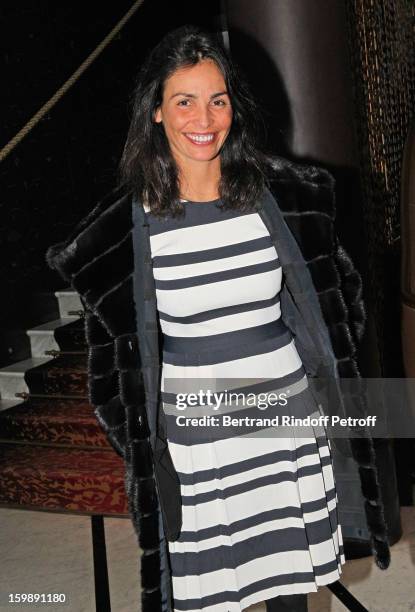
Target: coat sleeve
103	382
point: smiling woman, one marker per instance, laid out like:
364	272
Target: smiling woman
247	518
197	115
195	129
203	272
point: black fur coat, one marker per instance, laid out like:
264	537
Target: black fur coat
97	261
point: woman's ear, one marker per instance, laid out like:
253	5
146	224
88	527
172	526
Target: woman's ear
158	115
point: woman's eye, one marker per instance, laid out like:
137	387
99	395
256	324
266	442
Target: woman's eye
219	102
183	102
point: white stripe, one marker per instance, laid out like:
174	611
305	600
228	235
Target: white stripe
325	550
330	577
324	451
249	503
225	482
228	323
312	487
227	452
241	290
328	476
208	235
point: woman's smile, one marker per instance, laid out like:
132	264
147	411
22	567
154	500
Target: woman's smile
201	139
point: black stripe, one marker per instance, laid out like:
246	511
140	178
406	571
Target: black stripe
207	315
200	213
275	385
262	481
318	504
275	331
247	464
322	441
223	597
230	250
251	521
230	557
189	436
229	354
184	433
217	277
179	432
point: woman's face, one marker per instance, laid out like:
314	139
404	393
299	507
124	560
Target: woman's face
196	112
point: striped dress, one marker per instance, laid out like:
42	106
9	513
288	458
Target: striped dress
259	510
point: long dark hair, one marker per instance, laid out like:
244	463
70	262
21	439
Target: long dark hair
147	165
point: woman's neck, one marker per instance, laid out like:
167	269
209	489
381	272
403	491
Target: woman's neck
199	181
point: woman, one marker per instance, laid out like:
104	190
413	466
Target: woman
248	525
201	263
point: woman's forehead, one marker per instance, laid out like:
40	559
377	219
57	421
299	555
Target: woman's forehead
204	73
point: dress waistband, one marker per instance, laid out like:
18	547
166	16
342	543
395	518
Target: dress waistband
252	335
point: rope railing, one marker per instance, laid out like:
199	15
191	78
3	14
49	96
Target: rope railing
33	121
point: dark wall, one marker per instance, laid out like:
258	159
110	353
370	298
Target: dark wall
296	56
69	161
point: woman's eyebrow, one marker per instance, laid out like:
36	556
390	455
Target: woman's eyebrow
190	95
183	93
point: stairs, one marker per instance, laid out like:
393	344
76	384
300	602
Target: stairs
53	454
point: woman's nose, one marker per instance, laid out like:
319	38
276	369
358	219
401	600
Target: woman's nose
204	117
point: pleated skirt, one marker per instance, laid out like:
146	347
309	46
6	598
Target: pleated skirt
259	508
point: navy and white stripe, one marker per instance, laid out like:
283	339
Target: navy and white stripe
259	513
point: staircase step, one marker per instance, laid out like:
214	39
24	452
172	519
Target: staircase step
12	377
71	337
68	301
52	422
42	337
72	480
5	404
65	375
